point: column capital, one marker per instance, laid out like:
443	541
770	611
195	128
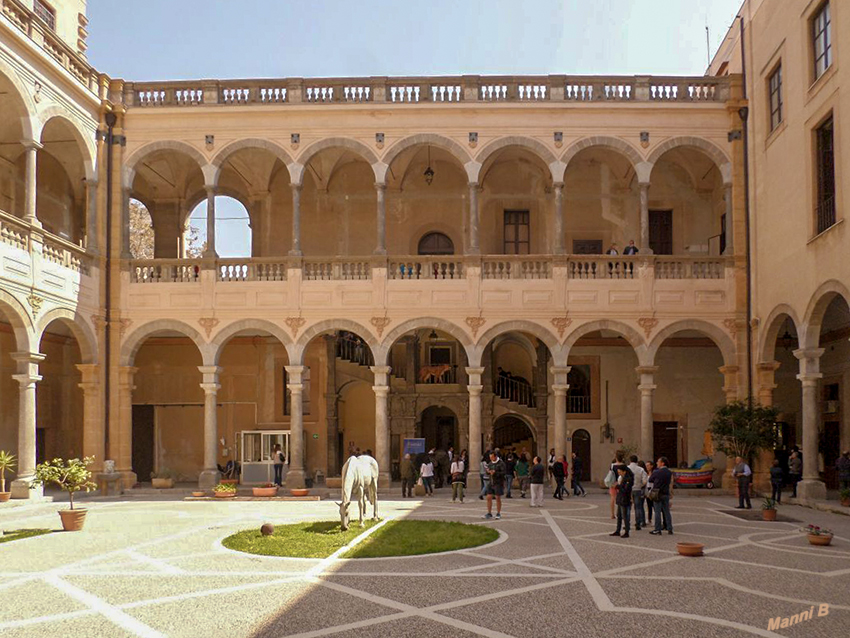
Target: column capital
294	373
473	186
32	145
27	379
813	354
474	390
126	374
647	388
380	186
768	366
89	372
381	390
472	371
728	370
295	186
560	389
644	185
25	358
210	388
381	375
557	186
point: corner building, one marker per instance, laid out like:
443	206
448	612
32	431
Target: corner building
426	261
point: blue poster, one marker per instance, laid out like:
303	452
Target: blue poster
414	446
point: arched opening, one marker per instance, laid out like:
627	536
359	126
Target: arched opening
12	173
9	388
438	425
141	231
582	450
686	204
435	243
602	198
511	433
60	193
356	419
233	233
168	408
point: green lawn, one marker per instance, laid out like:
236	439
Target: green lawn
396	538
18	534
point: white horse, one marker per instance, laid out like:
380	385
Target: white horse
360	481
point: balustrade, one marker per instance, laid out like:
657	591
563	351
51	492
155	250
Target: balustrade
602	267
14	232
257	269
516	268
336	270
689	268
150	271
426	268
515	390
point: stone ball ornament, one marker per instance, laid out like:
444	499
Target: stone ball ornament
267	529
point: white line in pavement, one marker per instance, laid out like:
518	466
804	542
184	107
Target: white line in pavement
163	567
110	612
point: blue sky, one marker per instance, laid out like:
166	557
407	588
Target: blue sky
183	39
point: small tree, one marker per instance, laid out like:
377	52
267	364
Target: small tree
72	475
739	429
7	462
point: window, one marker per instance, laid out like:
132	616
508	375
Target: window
822	39
436	244
825	203
775	88
579	395
46	13
517	232
305	393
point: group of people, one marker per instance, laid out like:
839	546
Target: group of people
559	472
637	485
435	469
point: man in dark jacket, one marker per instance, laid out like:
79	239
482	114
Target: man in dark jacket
496	470
510	470
560	476
408	476
842	468
661	478
625	483
578	467
776	482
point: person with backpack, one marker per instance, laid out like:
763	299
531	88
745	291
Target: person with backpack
661	478
522	474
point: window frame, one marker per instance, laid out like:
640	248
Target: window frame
45	12
821	28
778	108
515	243
825	186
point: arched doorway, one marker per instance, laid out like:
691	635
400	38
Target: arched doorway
512	433
581	448
438	426
436	244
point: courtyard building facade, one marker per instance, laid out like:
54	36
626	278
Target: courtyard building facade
441	258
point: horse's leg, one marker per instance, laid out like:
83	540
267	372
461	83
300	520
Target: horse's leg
374	490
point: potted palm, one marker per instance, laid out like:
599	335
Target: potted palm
768	509
818	535
843	495
7	462
71	476
162	479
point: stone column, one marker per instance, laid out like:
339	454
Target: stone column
474	247
31	181
559	389
91	216
209	476
296	220
125	224
27	378
727	226
811	487
644	219
295	474
210	252
647	389
766	386
381	191
382	424
558	225
92	420
474	388
121	437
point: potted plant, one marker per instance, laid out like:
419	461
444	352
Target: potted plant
7	462
768	509
818	535
162	479
72	476
741	429
198	493
689	549
266	490
843	494
299	491
224	490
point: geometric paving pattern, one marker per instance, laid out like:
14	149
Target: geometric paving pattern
156	568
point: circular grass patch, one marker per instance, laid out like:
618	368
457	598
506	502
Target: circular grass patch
320	539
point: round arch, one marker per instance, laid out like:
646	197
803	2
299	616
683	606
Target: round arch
720	338
29	123
772	325
520	325
603	141
715	153
197	198
296	168
518	339
423	139
81	330
296	349
556	167
85	143
224	154
231	330
424	322
626	331
129	171
137	338
19	318
816	309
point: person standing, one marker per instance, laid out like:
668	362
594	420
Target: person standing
457	480
795	471
661	479
578	467
464	456
558	473
426	473
612	488
485	476
549	463
408	476
625	483
631	249
522	474
637	491
538	475
776	482
842	468
278	459
496	470
742	473
649	467
510	469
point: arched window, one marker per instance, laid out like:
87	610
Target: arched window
232	229
436	244
141	231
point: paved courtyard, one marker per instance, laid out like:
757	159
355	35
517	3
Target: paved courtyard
146	567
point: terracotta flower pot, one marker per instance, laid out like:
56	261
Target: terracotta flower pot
162	483
4	496
690	549
768	515
72	520
199	494
224	494
264	491
299	492
845	502
819	539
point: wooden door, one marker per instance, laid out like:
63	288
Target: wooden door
143	441
665	442
831	451
581	447
661	231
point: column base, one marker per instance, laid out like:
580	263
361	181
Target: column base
473	483
295	480
385	481
128	478
208	479
811	490
21	489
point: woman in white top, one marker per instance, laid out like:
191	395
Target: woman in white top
457	479
426	472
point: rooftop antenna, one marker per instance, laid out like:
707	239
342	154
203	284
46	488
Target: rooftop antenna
707	43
